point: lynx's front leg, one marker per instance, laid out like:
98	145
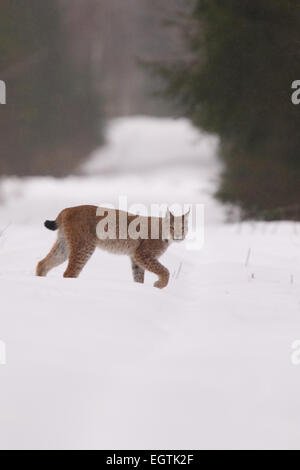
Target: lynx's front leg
147	261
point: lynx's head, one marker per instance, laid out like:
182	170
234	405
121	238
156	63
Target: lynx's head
177	226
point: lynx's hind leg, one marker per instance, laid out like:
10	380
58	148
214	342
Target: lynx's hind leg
138	272
79	256
57	256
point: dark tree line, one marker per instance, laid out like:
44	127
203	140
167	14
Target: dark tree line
235	81
68	64
53	114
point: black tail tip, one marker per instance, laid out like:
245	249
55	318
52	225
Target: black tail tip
51	225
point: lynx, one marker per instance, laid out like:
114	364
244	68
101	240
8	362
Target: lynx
78	238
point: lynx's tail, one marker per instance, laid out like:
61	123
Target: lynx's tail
51	224
54	224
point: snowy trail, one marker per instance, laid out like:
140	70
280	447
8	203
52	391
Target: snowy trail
100	362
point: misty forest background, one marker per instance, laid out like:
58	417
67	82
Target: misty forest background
228	65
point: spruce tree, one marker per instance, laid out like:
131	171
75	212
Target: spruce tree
236	82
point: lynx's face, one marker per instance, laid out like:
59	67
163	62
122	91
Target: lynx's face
178	226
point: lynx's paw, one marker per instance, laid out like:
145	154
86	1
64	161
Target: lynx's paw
40	270
161	283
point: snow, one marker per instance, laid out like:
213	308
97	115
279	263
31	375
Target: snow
102	363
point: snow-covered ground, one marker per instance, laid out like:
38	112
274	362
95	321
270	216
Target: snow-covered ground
101	362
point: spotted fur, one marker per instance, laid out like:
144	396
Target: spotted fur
77	241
